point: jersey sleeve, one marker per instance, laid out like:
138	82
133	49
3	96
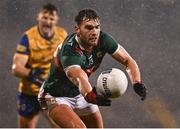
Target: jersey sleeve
110	45
69	58
23	45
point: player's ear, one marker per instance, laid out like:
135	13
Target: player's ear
57	17
38	16
77	30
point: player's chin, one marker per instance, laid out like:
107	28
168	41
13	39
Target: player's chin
93	43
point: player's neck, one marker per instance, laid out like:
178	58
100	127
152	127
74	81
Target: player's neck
83	46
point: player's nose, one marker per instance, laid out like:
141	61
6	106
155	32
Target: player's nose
48	21
95	31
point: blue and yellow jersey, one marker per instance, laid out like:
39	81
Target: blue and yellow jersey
39	51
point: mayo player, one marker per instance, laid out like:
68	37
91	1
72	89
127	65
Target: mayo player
67	94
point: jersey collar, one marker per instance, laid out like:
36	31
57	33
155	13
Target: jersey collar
81	47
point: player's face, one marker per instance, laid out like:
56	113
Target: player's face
46	23
88	32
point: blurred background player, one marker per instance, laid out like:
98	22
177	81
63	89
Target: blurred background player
67	93
31	63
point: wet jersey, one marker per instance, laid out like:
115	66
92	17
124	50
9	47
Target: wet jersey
57	83
40	52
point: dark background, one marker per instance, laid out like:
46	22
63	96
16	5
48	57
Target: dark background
148	29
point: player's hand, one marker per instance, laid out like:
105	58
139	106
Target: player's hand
93	97
140	89
34	76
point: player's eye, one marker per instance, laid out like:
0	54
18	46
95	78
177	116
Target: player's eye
89	27
45	18
97	27
52	19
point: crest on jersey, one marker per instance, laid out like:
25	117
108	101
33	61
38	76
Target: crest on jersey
21	48
99	54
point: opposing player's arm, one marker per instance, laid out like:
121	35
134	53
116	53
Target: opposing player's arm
21	57
122	56
20	60
19	69
79	78
18	66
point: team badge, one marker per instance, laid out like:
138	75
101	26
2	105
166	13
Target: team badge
21	48
99	54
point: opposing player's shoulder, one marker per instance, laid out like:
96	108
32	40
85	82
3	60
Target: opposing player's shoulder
31	30
61	31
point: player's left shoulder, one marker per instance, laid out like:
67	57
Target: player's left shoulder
104	34
32	32
60	31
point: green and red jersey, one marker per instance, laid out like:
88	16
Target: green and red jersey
57	83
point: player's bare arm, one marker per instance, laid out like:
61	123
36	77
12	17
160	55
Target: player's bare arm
79	78
132	68
18	66
133	71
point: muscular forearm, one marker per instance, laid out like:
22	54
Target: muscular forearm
84	86
19	70
80	79
133	71
132	68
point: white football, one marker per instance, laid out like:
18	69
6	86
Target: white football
112	82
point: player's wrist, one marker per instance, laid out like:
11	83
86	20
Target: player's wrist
34	76
30	74
90	97
137	82
36	72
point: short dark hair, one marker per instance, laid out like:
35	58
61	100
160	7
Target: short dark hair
86	14
50	8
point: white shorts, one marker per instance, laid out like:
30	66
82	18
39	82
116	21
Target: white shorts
78	104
